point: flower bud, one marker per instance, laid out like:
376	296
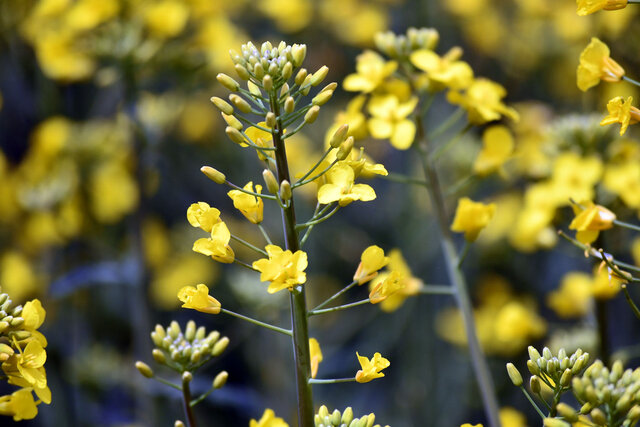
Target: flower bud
220	346
190	330
323	411
534	384
345	149
555	422
533	367
158	356
301	76
598	417
533	353
565	379
270	120
339	135
240	103
232	121
514	375
174	329
222	105
322	98
319	75
235	135
254	89
228	82
305	87
220	380
285	190
267	82
258	71
242	72
213	174
270	181
546	353
347	416
178	423
298	53
586	408
144	369
289	104
186	377
312	114
284	90
567	412
287	70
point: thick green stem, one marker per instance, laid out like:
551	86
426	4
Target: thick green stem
483	376
299	325
186	403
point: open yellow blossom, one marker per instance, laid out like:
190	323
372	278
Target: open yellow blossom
216	246
621	111
371	71
268	419
340	187
198	298
363	166
387	287
250	206
483	101
445	70
590	220
497	147
471	217
371	260
34	314
166	18
573	297
283	269
19	404
29	363
587	7
408	285
389	120
511	417
202	215
315	354
596	64
371	368
260	138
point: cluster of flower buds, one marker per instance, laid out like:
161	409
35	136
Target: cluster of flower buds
186	351
345	419
400	46
276	62
11	320
555	371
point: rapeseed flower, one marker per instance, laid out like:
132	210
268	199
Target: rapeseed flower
340	187
268	419
483	101
497	147
371	71
216	246
573	297
596	64
198	298
389	120
391	284
19	404
590	220
471	217
447	70
587	7
283	269
315	354
371	260
408	285
621	111
250	206
371	368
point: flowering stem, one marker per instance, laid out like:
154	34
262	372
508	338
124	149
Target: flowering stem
483	376
186	401
301	182
244	264
396	177
437	290
264	196
450	143
332	381
249	122
324	156
633	305
533	403
460	184
299	322
166	382
249	245
264	233
336	295
256	322
338	308
203	396
453	118
319	220
626	225
625	78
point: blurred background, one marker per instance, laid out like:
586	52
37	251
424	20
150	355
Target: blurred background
105	121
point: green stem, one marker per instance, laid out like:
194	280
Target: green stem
265	234
186	403
625	78
301	182
453	118
332	381
299	322
463	254
203	396
338	308
336	295
244	264
249	245
396	177
483	376
603	326
319	220
168	383
460	184
533	403
256	322
450	143
264	196
437	290
626	225
633	305
324	156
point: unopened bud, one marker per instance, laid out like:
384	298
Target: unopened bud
144	369
336	418
298	53
305	87
254	89
267	83
514	375
301	76
285	190
330	87
174	329
178	423
339	135
322	98
534	384
235	135
222	105
533	367
232	121
347	416
567	412
284	90
287	70
345	149
213	174
546	353
220	346
220	380
258	71
242	72
598	417
555	422
158	356
323	411
240	103
270	120
289	104
534	355
565	379
312	114
228	82
270	181
319	75
187	377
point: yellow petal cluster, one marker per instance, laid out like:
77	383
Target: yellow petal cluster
389	119
371	71
371	368
390	285
587	7
283	269
207	218
483	101
590	220
621	111
315	355
371	260
198	298
406	285
596	64
471	217
340	187
497	147
447	70
250	206
268	419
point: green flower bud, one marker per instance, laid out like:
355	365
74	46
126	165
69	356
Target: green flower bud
270	181
17	311
270	120
330	87
555	422
347	416
214	175
242	72
317	421
305	87
319	75
323	411
287	70
144	369
535	385
339	135
312	114
567	412
284	90
254	89
285	190
301	76
565	379
616	371
273	69
267	82
235	135
598	417
298	53
232	121
174	329
624	403
322	98
289	104
228	82
178	423
336	417
546	353
221	379
16	321
345	149
533	353
196	356
187	377
222	105
634	413
371	418
258	71
586	408
220	346
240	103
533	367
158	356
190	330
514	375
200	333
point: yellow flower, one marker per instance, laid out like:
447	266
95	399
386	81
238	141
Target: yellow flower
483	102
114	192
268	419
19	404
371	260
283	269
250	206
315	355
202	215
34	314
389	120
469	425
596	64
408	285
30	361
340	187
371	70
166	18
217	246
510	417
590	220
392	283
352	116
289	16
198	298
471	217
587	7
497	147
605	285
447	70
371	368
573	298
621	111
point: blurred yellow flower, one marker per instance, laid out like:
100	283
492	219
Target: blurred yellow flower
198	298
604	285
596	64
392	283
389	120
61	58
166	18
250	206
470	425
621	111
497	147
624	180
483	101
289	16
586	7
510	417
371	368
18	276
352	116
216	246
202	215
114	192
409	285
471	217
19	404
371	260
447	70
371	71
590	220
573	298
340	187
283	269
268	419
85	15
315	355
